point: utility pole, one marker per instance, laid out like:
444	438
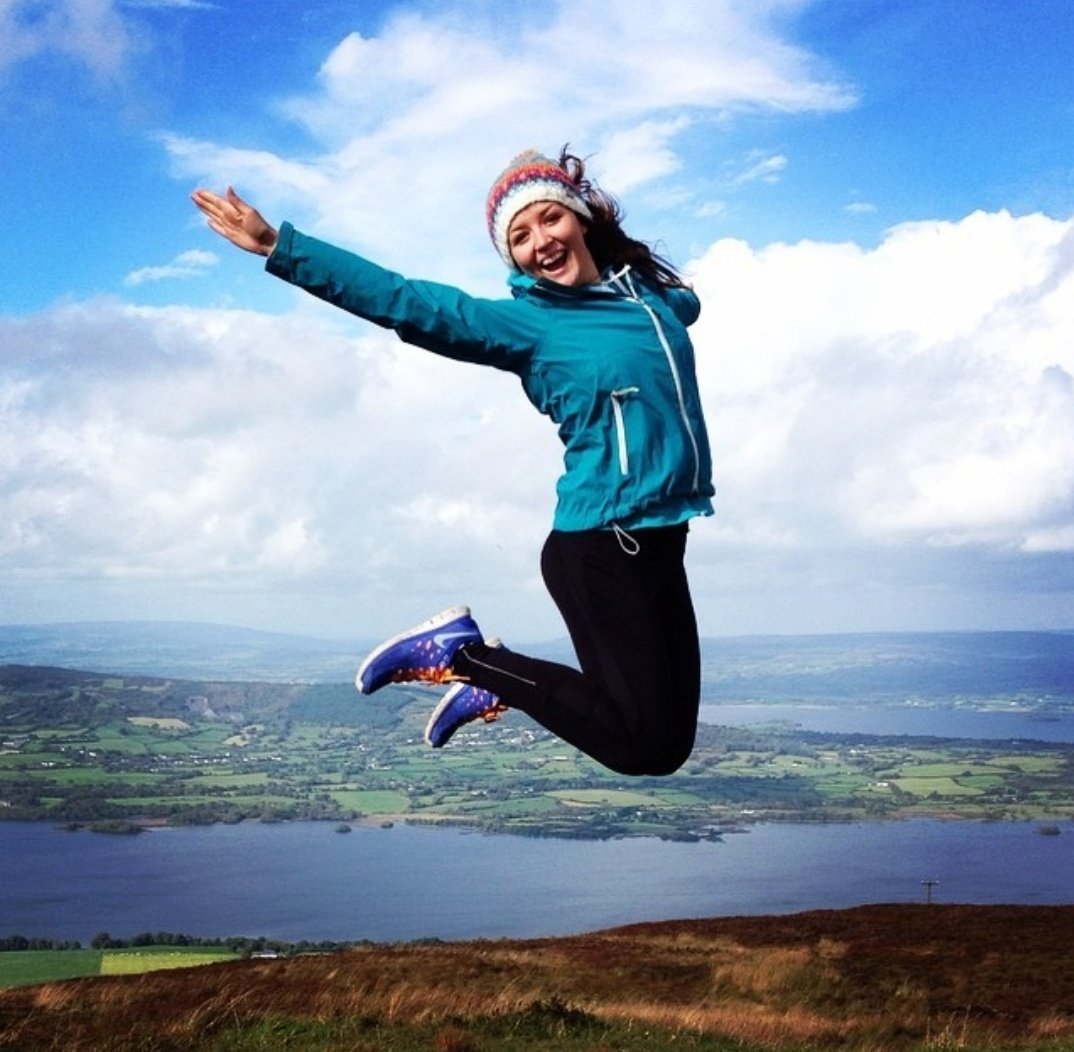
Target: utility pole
929	885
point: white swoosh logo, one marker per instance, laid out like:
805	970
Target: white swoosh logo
441	639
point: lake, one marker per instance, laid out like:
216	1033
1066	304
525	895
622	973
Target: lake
305	881
941	722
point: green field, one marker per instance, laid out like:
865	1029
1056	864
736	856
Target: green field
97	751
27	967
135	962
23	967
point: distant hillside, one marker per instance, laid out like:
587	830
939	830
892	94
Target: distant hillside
185	649
885	666
875	977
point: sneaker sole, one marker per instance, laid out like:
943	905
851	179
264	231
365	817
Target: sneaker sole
448	698
445	701
437	621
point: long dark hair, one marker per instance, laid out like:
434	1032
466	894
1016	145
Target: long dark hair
607	241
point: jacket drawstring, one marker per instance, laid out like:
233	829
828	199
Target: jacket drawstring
629	544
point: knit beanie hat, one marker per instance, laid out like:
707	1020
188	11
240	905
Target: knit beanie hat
528	178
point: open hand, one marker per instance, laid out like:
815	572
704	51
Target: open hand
231	217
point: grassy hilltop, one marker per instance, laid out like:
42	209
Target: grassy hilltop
873	979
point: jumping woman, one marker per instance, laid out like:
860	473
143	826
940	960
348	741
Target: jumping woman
595	330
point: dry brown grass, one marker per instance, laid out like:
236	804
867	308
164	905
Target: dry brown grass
885	977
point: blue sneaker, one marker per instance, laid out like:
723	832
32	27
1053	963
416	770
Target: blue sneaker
461	705
423	653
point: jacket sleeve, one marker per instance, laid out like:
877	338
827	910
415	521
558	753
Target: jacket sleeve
438	318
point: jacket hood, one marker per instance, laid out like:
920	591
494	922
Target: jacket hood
522	284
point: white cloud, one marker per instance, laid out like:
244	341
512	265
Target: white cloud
640	154
416	120
761	169
182	5
90	32
871	411
190	264
720	56
274	178
183	449
918	393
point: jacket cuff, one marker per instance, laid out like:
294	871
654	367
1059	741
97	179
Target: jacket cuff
279	261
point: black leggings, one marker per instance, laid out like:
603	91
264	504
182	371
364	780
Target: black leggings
634	705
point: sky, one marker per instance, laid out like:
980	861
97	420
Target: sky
874	200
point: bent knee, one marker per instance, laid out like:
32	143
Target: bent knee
656	757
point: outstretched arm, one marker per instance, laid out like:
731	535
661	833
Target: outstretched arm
440	318
231	217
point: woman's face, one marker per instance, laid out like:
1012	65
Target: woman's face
547	240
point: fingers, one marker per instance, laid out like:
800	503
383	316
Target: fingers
239	206
212	205
225	215
231	217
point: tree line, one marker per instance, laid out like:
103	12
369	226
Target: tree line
242	945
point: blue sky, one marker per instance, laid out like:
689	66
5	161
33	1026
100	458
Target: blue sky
874	199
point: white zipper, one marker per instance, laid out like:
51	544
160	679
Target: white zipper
620	426
625	278
622	281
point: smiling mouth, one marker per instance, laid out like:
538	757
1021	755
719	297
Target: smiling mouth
555	262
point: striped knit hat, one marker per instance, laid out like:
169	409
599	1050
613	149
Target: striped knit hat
528	178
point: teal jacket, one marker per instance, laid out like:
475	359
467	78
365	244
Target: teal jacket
611	364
